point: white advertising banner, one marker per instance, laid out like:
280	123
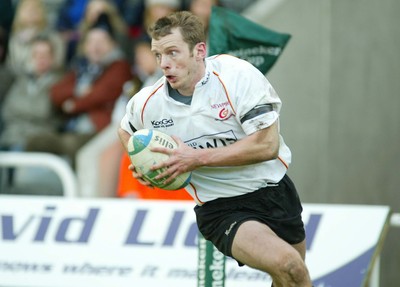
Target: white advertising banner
60	242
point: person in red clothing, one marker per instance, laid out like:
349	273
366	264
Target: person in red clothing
85	96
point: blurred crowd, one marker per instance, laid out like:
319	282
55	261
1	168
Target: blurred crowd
67	67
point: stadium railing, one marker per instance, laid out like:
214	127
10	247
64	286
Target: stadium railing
50	161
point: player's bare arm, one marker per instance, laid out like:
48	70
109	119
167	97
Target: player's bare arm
124	137
261	146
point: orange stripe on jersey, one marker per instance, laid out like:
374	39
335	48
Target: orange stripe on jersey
283	162
226	92
195	194
145	103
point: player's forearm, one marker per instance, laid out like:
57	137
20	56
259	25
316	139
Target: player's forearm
235	156
124	137
261	146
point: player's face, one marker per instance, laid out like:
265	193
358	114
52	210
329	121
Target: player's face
182	67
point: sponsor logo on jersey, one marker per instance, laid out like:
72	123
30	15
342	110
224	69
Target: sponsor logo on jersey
213	140
220	105
205	79
164	123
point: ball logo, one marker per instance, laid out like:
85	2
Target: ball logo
164	142
143	158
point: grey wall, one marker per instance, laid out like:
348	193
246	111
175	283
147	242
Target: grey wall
339	79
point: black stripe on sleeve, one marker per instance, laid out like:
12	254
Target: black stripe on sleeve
256	111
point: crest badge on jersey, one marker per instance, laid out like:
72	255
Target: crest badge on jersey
224	114
222	111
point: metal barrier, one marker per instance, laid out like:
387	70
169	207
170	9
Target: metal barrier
53	162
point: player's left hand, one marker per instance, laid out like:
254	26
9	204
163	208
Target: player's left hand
181	160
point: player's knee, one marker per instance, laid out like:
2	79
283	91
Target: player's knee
294	270
297	271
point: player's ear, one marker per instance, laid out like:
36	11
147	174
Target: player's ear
200	50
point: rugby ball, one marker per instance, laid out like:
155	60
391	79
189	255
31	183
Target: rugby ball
143	158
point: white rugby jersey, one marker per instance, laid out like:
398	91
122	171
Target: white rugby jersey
229	92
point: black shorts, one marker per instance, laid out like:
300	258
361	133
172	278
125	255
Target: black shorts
278	206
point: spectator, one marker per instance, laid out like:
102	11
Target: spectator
72	12
98	161
93	10
6	81
6	18
52	8
27	108
86	95
156	9
202	8
132	11
69	17
30	20
145	64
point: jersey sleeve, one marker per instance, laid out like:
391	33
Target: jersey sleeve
257	103
131	121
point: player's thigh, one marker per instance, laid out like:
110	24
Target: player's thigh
301	248
257	246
